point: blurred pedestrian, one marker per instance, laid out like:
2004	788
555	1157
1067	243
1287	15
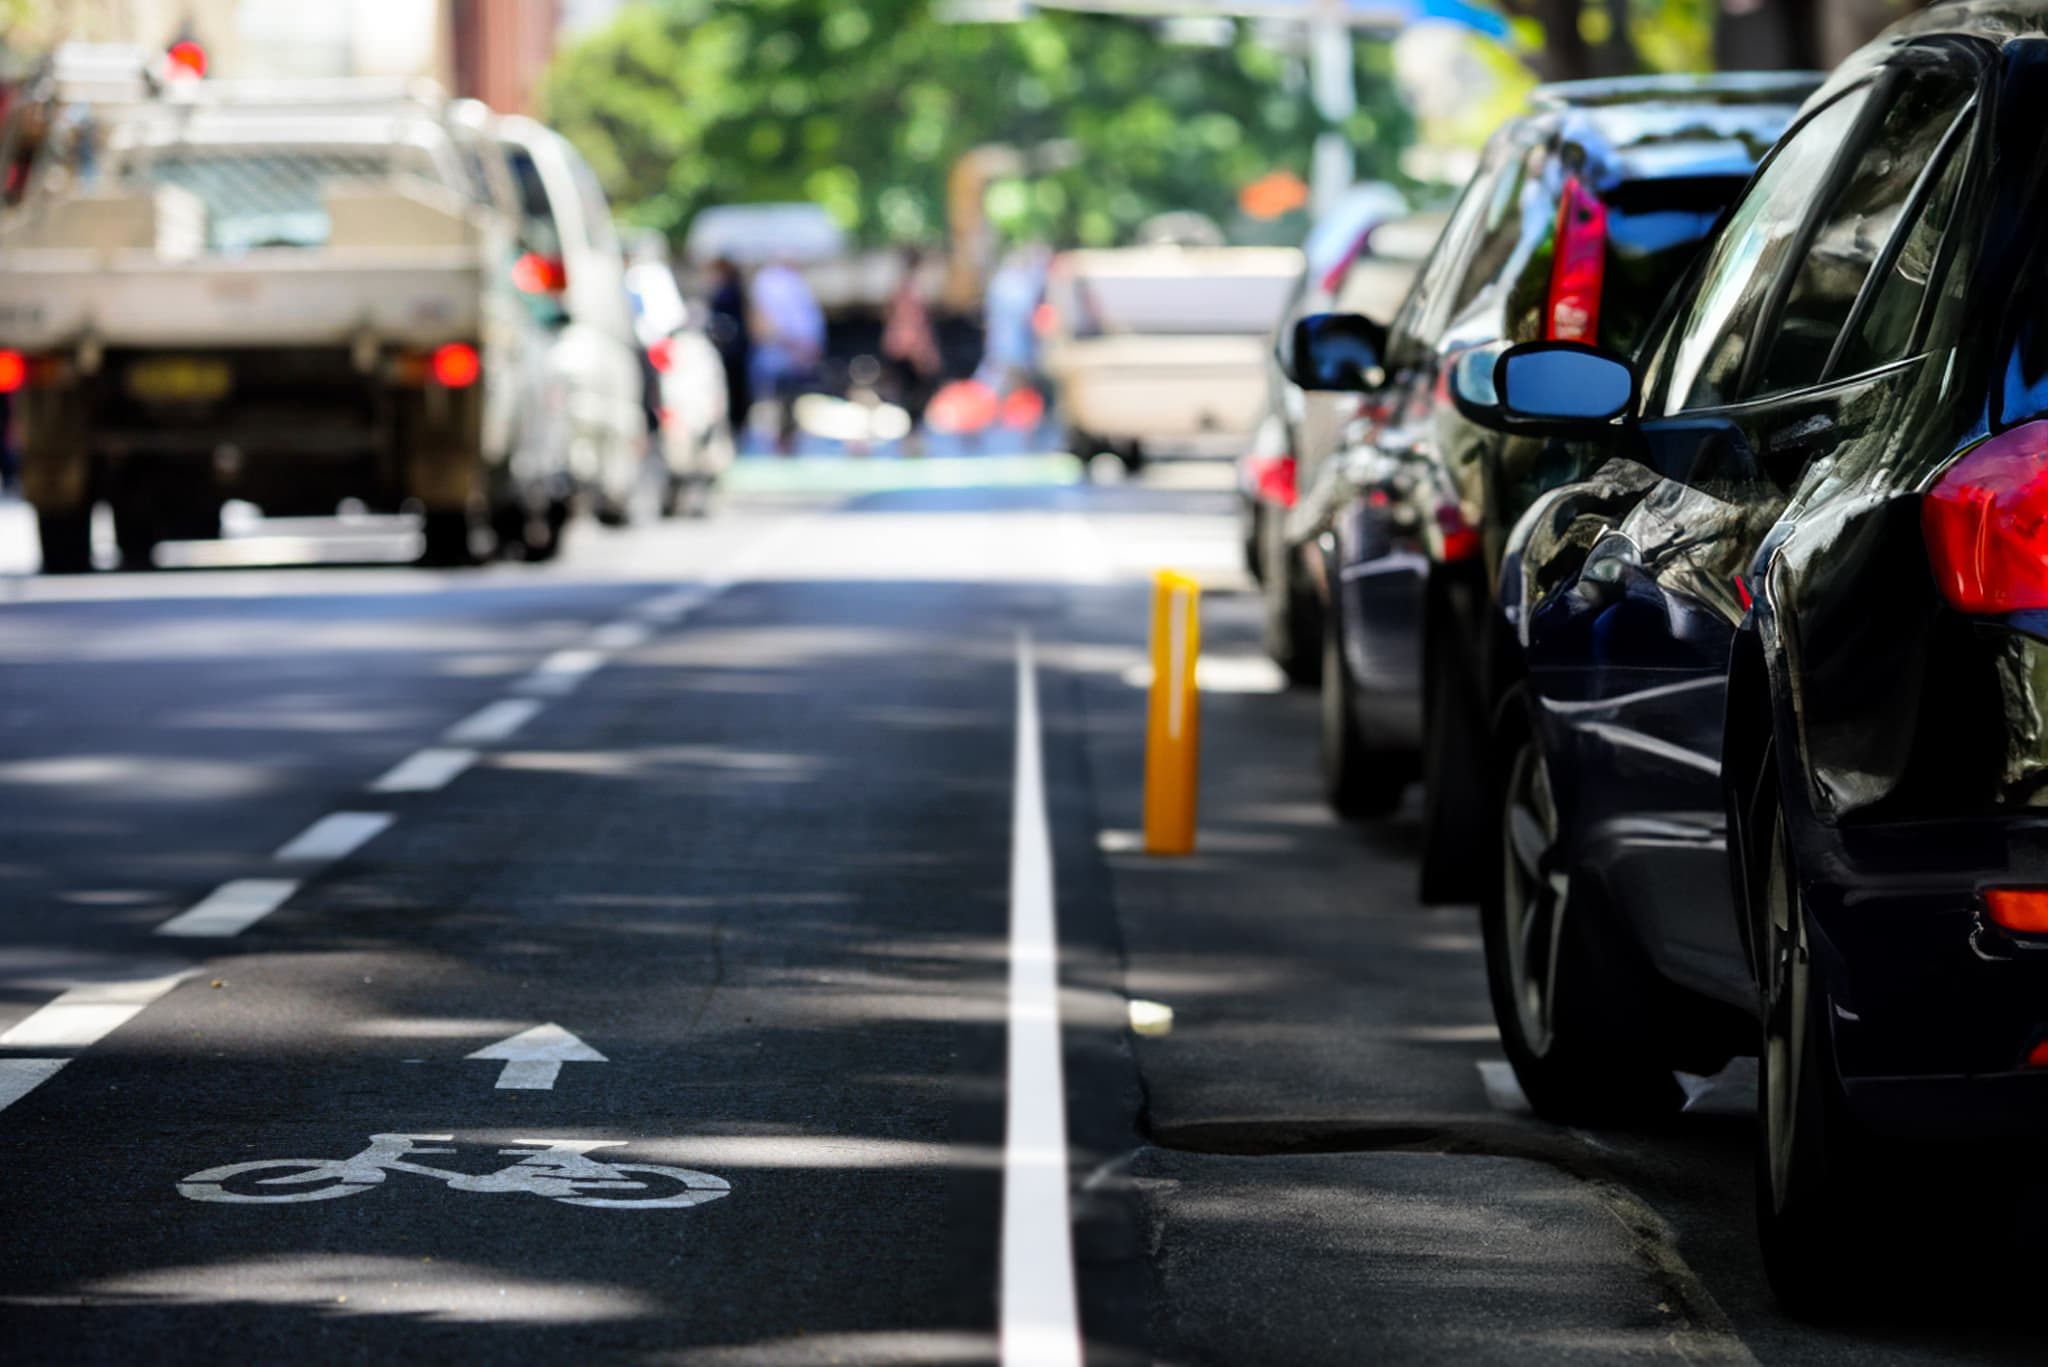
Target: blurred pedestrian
734	338
910	347
1010	347
789	341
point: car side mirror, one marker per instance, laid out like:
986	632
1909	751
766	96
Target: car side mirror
1561	389
1336	351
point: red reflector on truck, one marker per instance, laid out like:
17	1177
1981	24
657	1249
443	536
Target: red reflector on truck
13	371
456	365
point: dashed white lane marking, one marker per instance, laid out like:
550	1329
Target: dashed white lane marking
495	721
232	907
86	1014
1039	1322
425	771
334	836
670	608
20	1076
562	671
621	636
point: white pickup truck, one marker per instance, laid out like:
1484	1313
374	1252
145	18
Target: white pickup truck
1163	347
289	297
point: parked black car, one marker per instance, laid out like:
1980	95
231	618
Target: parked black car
1795	625
1582	215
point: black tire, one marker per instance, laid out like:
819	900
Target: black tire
1358	780
1454	803
66	540
448	541
1132	454
1572	997
136	532
1293	614
1816	1168
543	538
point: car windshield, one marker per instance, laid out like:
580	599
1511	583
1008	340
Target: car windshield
264	198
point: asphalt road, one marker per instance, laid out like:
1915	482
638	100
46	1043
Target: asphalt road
708	839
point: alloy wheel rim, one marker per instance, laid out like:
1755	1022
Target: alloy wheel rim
1536	897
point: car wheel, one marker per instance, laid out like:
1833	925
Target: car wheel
135	532
447	538
1293	616
1812	1158
1453	781
1358	780
1571	1000
66	540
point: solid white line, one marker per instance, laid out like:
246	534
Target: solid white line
560	672
232	907
620	636
425	771
1039	1322
334	836
495	721
85	1014
20	1076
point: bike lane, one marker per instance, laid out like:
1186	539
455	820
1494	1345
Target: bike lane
760	866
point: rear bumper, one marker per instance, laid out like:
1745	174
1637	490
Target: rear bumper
1932	1009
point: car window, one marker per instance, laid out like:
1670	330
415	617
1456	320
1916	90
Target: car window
1843	247
1513	199
1425	310
1885	333
537	228
1701	360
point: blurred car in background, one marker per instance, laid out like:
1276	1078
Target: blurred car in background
572	270
1162	348
1582	216
288	294
694	431
1361	259
1786	622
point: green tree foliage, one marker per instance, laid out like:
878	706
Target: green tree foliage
864	108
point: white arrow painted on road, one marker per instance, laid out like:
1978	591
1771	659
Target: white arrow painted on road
534	1058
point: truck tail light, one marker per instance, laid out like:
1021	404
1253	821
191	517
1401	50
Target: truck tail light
661	354
1578	273
456	365
537	274
1986	524
13	371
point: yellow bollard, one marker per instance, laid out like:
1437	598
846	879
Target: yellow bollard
1173	724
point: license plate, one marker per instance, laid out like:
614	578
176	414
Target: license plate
180	379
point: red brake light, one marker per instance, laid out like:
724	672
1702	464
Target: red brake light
13	371
661	354
1273	478
2022	909
1578	273
1460	539
537	274
186	59
1986	524
456	365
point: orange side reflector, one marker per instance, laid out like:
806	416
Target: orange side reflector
2021	909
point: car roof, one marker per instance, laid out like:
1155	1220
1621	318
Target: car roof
1648	128
1728	87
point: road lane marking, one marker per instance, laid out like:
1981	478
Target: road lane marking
1039	1322
86	1014
562	671
534	1058
621	636
334	836
232	907
670	608
20	1076
425	771
495	721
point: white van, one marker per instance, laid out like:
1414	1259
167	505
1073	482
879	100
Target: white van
573	273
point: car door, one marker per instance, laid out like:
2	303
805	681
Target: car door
1792	351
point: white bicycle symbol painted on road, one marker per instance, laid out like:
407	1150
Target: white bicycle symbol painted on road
558	1169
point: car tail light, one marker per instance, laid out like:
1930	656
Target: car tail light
2037	1057
661	354
537	274
1578	273
1273	479
13	371
2024	910
1986	524
1460	541
456	365
185	60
